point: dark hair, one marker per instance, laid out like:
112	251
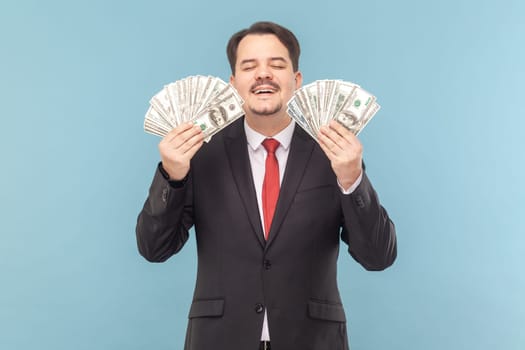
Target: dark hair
286	37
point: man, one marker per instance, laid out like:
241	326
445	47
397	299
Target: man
266	271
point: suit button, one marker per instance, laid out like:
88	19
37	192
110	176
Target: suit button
259	308
360	202
267	264
165	195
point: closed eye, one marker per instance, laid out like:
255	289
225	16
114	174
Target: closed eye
278	63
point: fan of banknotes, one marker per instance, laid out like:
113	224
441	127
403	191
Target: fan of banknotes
315	104
204	100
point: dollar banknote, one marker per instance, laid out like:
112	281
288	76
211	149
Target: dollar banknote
315	104
206	101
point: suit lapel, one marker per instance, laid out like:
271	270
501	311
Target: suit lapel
301	149
237	153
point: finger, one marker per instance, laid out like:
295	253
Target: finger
327	144
338	127
185	134
342	131
332	139
325	149
190	152
194	140
177	131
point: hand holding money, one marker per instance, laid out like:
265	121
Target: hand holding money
178	147
334	112
344	150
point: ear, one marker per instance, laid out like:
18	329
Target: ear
298	79
232	79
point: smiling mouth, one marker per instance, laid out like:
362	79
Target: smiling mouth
265	88
263	92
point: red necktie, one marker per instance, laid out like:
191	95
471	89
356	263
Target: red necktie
270	190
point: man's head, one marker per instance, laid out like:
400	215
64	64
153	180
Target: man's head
285	36
265	59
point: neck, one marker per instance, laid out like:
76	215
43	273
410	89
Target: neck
268	125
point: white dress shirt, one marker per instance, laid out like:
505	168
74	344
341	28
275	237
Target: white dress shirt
257	154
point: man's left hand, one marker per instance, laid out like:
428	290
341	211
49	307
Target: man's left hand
344	151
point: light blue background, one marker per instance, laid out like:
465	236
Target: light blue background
445	154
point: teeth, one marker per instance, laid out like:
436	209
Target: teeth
263	91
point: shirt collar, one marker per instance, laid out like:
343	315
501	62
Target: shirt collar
255	139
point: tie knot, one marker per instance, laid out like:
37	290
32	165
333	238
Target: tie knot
270	145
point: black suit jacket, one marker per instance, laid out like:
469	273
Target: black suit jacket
293	274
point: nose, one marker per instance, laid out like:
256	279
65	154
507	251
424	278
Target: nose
263	72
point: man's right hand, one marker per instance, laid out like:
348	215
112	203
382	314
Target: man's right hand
178	147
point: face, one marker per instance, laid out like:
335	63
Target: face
264	75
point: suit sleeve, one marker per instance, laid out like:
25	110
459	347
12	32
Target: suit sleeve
164	222
367	229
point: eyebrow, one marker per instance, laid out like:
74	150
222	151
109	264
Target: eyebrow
253	60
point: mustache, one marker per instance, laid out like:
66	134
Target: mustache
265	82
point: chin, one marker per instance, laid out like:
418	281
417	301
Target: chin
265	111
